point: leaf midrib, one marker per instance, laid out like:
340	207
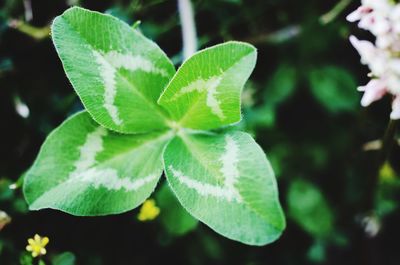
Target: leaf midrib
202	95
197	155
191	146
160	138
65	180
132	87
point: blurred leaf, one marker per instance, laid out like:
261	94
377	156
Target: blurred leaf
26	259
236	2
339	239
66	258
176	220
315	154
211	247
6	64
278	89
334	88
278	156
5	192
317	252
263	117
387	194
281	85
20	206
309	209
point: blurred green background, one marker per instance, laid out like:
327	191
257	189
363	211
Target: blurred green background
301	104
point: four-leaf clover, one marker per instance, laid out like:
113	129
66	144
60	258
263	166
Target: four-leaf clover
143	118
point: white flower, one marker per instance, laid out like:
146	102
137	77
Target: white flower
373	91
375	23
370	55
382	19
381	6
359	13
393	84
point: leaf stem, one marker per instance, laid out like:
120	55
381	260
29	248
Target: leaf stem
189	35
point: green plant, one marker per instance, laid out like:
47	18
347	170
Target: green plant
142	118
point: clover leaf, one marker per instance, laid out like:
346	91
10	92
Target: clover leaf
141	119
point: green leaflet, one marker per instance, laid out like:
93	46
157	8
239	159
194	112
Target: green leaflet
226	182
84	169
117	72
205	92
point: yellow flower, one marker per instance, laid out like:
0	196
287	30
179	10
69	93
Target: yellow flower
37	245
149	211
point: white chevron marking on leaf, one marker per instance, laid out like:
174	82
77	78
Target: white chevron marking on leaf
88	151
109	64
133	63
107	72
229	161
210	85
229	171
204	189
213	103
107	177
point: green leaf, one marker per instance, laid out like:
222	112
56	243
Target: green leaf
117	72
317	252
334	88
66	258
25	259
205	92
309	208
84	169
226	182
176	220
281	85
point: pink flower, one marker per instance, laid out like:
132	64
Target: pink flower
376	24
373	91
370	55
382	19
359	13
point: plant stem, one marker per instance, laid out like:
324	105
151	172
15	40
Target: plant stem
189	36
332	14
387	143
34	32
